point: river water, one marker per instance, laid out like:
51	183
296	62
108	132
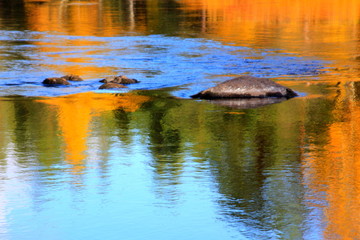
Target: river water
148	162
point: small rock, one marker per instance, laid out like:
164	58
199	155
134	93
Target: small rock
55	81
73	77
111	85
246	87
119	79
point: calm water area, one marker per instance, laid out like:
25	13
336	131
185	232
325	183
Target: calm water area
148	162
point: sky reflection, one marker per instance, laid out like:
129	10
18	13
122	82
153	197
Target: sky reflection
155	60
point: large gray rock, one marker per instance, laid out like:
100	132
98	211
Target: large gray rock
246	87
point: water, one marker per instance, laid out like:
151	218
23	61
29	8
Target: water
148	162
156	60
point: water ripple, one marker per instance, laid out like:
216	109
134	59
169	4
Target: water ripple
157	61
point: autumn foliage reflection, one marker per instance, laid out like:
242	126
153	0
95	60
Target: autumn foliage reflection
80	18
312	28
307	27
324	131
332	170
75	113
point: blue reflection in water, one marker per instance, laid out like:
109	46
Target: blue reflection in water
156	60
119	201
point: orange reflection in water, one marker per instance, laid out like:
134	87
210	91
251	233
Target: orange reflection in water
311	27
282	10
70	17
76	18
327	29
75	113
333	171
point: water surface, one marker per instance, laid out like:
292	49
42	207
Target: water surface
148	162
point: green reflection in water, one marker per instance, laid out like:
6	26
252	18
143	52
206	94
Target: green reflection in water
250	160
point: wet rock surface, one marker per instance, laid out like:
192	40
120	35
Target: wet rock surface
246	87
119	79
72	77
111	86
55	81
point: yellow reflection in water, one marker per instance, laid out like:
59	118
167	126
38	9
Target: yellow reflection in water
74	18
297	17
321	28
75	113
63	16
334	169
312	27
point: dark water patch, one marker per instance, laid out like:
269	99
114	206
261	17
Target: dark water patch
12	84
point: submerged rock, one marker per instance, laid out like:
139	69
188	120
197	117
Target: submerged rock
246	87
111	85
73	77
119	79
55	81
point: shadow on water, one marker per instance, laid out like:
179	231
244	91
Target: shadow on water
12	14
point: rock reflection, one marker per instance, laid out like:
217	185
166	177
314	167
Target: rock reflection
246	103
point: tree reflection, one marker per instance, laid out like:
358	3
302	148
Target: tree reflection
254	158
301	26
123	119
12	14
75	113
270	164
332	168
165	147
